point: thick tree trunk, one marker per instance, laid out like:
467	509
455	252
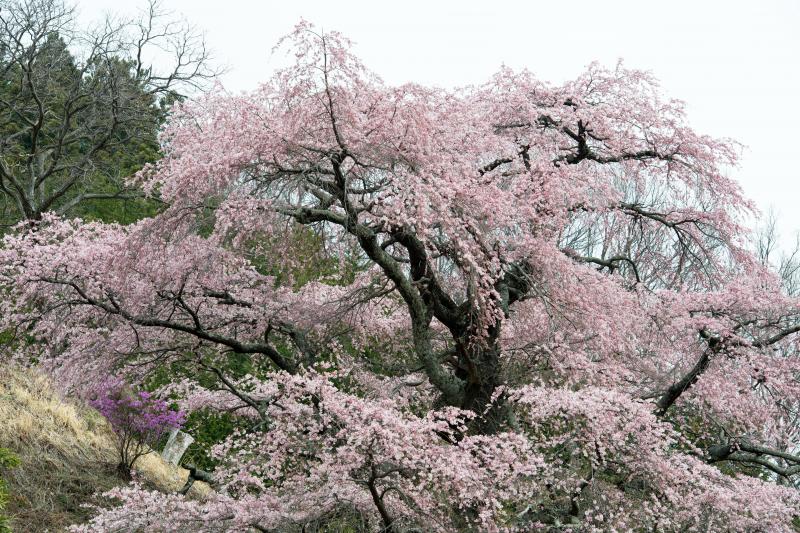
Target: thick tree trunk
480	370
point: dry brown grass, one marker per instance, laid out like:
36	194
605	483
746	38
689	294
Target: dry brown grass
66	453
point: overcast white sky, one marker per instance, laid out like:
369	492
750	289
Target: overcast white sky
735	63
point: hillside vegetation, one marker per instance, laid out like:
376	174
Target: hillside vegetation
66	455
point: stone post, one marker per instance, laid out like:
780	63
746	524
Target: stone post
176	446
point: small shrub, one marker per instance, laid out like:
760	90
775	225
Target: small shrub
139	421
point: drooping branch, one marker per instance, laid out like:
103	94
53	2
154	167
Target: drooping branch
715	345
748	452
419	311
610	263
195	329
671	395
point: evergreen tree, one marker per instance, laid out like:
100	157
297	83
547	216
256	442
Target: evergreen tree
80	108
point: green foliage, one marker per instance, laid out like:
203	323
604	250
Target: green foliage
308	252
208	428
7	460
99	125
118	165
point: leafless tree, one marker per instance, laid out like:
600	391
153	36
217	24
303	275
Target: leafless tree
80	106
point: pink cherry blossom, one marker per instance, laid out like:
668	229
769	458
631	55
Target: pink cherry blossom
540	310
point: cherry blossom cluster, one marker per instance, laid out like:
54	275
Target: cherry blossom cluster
512	306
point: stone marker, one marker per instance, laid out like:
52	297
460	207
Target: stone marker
176	446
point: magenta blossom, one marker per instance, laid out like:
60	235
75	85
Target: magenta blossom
139	420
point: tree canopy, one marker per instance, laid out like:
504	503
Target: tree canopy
510	306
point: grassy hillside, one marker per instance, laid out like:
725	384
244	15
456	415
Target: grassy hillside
66	455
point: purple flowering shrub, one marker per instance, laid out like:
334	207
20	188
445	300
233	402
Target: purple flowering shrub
138	419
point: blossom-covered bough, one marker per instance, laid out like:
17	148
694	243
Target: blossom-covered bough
538	310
